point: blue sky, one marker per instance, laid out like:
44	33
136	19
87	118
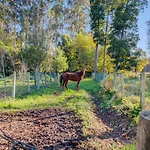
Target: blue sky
143	17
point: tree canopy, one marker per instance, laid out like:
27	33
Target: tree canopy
56	36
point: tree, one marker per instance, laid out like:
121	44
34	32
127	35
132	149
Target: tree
97	23
75	16
109	66
66	45
124	35
59	63
138	59
83	49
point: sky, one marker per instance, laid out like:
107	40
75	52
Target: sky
142	19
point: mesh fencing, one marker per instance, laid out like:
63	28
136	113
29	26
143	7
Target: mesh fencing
22	83
133	88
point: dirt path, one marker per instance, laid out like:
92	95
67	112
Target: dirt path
115	130
45	129
58	129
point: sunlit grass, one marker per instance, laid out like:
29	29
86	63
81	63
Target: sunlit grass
53	96
129	147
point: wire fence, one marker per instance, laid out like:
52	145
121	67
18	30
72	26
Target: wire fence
19	84
131	87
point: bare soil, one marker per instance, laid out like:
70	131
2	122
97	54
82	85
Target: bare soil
59	129
45	129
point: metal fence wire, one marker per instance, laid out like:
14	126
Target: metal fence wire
131	87
20	83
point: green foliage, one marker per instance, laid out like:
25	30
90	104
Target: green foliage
124	34
33	56
109	66
79	51
97	14
83	47
135	112
59	63
66	46
138	60
129	147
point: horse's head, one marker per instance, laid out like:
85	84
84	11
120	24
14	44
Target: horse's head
83	68
83	71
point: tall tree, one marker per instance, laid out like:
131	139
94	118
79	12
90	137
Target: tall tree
97	23
75	16
124	32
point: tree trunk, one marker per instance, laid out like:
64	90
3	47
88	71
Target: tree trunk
115	77
105	43
3	71
95	60
143	131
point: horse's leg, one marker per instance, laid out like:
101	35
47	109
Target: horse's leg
66	84
63	84
78	85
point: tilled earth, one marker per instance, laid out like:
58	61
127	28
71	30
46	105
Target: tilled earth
45	129
59	129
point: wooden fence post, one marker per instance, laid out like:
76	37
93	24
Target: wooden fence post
115	95
38	80
114	81
45	77
58	76
122	85
14	85
55	77
143	131
142	90
50	76
28	78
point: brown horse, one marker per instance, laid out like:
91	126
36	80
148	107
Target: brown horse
73	76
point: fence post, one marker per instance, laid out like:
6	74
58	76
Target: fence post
55	77
51	76
142	90
23	78
14	85
114	81
122	85
58	75
143	130
38	80
45	78
28	78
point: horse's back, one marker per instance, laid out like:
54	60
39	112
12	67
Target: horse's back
73	76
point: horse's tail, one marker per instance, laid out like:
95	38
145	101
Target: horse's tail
61	79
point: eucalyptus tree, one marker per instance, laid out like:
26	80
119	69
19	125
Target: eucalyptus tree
124	32
97	15
101	13
75	16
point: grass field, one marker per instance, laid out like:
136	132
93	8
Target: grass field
52	97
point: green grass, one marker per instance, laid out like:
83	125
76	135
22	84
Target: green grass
129	147
53	97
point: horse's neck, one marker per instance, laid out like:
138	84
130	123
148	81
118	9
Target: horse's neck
82	73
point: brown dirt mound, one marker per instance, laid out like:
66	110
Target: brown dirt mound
45	129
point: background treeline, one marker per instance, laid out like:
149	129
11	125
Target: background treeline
59	35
